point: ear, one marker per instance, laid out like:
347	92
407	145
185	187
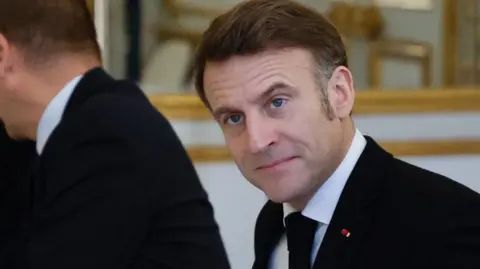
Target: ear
341	93
5	56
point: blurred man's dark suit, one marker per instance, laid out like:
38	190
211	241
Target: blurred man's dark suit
390	215
16	161
116	189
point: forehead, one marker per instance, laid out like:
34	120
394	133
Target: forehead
249	76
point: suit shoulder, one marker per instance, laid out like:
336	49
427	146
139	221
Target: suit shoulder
123	115
125	112
423	177
126	101
432	189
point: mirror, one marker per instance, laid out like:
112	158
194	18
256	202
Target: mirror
402	46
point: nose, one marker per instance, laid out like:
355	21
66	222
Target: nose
261	134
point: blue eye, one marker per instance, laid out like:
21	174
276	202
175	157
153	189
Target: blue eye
233	119
277	102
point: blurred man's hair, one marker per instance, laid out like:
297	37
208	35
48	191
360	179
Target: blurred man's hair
259	25
43	29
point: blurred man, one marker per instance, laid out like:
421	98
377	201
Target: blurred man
114	187
274	74
16	162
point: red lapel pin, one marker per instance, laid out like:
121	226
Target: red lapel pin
345	233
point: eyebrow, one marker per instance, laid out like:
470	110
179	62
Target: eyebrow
264	95
222	110
274	87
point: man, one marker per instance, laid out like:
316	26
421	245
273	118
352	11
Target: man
114	187
16	160
274	74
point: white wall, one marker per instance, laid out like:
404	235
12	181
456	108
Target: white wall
237	203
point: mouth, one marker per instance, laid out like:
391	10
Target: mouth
276	163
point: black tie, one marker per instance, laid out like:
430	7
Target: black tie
300	235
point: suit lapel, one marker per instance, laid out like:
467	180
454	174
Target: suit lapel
268	231
351	218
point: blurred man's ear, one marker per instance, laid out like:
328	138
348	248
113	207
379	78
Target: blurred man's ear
5	55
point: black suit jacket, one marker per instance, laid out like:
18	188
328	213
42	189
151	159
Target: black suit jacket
16	161
399	216
116	189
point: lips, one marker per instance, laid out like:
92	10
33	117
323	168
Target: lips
275	163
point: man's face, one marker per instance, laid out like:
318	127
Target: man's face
269	107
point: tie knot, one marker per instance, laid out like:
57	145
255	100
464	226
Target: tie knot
300	229
297	221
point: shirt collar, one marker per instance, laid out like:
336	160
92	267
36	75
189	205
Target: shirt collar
53	114
322	205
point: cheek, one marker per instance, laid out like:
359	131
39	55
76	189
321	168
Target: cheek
240	156
303	128
312	133
235	149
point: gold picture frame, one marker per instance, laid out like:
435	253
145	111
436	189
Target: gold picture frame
367	102
91	5
178	7
450	41
404	50
215	154
173	30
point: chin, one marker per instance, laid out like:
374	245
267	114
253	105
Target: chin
279	197
285	191
279	189
275	199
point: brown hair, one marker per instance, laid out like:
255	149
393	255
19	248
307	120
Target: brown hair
258	25
44	28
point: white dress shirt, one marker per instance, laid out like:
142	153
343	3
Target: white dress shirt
53	113
323	203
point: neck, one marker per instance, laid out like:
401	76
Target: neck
45	84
